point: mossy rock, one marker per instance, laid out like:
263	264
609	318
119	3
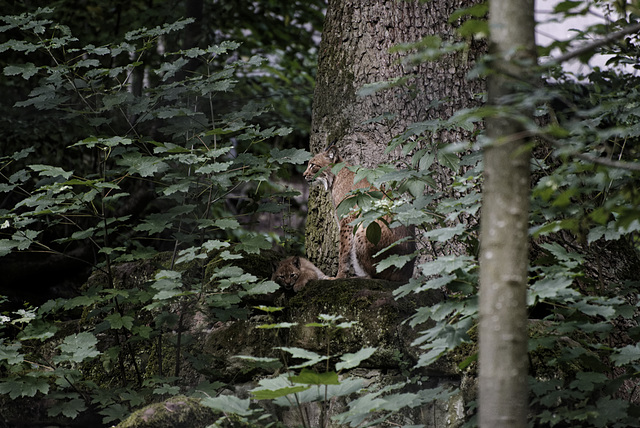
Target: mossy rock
176	412
370	303
231	339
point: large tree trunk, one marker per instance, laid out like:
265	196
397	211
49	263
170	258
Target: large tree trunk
503	333
355	51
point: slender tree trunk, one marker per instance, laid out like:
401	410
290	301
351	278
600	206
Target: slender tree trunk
354	51
504	238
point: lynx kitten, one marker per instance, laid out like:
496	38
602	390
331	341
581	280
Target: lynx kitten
294	273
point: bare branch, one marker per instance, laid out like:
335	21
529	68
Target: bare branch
629	166
593	45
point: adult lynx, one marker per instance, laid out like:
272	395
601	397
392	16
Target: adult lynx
355	249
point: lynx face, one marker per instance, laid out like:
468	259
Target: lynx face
295	272
287	273
322	160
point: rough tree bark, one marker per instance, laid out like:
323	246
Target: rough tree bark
503	334
354	51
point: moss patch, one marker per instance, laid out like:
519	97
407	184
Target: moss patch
370	304
176	412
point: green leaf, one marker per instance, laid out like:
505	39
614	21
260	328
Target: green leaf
214	244
552	287
166	389
416	187
83	234
25	238
143	331
23	153
77	348
395	260
118	321
228	404
309	377
477	10
155	223
449	160
92	142
51	171
436	283
349	361
436	349
267	394
278	325
109	101
38	330
10	353
311	357
626	355
263	287
227	223
86	299
446	264
253	244
145	166
190	254
168	283
289	156
227	272
7	245
25	316
269	309
371	88
588	381
214	168
115	412
587	308
467	361
444	234
561	254
168	69
567	5
474	28
19	46
68	408
25	386
374	233
25	70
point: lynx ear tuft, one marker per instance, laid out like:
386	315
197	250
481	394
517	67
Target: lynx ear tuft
296	262
331	144
332	151
274	266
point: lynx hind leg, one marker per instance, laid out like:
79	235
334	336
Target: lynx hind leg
362	251
319	273
406	247
345	249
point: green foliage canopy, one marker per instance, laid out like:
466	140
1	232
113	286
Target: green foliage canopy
172	141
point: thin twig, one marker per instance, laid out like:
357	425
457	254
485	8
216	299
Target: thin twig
630	166
593	45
